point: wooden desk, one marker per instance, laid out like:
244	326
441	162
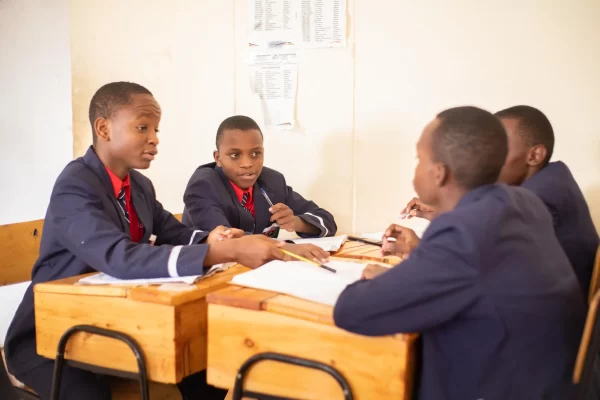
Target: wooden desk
244	322
169	325
365	252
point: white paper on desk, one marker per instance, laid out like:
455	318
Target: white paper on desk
326	243
104	279
274	79
303	280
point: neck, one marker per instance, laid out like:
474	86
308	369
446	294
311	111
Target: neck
450	198
531	172
117	168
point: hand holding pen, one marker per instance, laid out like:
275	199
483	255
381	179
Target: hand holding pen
416	208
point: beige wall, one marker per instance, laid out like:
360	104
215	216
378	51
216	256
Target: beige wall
361	108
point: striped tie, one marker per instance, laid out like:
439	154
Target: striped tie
121	201
244	201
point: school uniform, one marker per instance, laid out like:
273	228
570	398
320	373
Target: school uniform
96	222
493	296
573	224
211	199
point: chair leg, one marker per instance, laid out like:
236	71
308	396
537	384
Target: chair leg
238	389
142	375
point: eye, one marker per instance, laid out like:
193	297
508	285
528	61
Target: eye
256	154
156	130
234	155
142	128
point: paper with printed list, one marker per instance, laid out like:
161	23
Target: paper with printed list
104	279
302	279
274	79
304	23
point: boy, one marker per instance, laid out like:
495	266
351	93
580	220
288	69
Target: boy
101	216
530	147
229	192
488	286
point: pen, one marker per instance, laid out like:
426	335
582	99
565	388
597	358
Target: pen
309	261
406	214
266	197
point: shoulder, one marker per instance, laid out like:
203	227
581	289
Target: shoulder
552	183
271	175
205	173
77	174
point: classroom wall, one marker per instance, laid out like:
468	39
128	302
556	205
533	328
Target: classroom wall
361	108
35	104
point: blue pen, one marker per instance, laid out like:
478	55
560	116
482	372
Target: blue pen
266	197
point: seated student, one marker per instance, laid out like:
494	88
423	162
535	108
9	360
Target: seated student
530	146
488	287
101	216
229	192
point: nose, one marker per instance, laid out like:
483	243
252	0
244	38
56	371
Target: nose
246	162
153	138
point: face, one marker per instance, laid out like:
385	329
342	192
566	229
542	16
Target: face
516	167
130	135
241	155
429	175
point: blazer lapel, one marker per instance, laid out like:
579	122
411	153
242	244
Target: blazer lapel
261	209
246	221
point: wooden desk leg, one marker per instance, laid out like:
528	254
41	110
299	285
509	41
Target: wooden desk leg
229	395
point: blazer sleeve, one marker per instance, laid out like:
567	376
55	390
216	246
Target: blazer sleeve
169	230
201	204
310	213
83	227
432	286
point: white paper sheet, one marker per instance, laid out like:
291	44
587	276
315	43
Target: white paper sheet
326	243
303	280
104	279
305	23
274	79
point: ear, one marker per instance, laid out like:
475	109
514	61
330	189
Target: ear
102	129
536	155
440	174
217	157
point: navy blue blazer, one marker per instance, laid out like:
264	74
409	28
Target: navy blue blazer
492	293
573	223
85	231
210	201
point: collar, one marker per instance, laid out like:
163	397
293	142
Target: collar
239	192
117	183
476	194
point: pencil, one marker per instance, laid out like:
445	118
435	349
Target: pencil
296	256
367	241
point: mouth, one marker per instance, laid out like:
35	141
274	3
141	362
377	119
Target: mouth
150	154
247	175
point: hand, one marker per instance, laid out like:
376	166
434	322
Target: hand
256	250
399	241
221	233
371	271
309	251
416	208
285	218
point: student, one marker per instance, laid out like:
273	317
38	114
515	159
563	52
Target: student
101	216
488	287
228	192
530	147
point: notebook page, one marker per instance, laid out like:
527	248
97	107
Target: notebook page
326	243
303	280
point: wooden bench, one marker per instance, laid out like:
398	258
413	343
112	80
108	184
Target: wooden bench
19	249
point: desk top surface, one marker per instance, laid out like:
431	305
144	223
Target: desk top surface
171	294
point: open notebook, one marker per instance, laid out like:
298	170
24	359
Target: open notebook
326	243
302	279
104	279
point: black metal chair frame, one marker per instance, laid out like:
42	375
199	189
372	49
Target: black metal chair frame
238	389
141	376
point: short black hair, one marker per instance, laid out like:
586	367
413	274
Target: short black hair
240	122
533	126
110	98
473	144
